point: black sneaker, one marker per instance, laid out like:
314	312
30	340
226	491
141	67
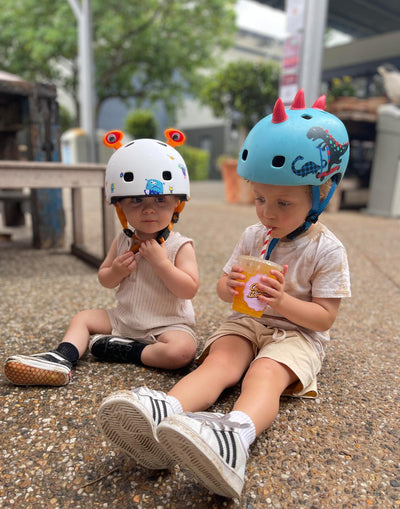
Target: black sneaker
49	368
114	348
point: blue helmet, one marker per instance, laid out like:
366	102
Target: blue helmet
295	147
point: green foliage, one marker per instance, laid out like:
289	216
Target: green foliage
197	161
245	91
141	124
152	50
66	120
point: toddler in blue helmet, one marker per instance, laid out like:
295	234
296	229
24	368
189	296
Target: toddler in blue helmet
293	159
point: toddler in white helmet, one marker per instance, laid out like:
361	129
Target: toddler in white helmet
154	270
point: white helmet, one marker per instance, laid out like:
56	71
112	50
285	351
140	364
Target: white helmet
145	167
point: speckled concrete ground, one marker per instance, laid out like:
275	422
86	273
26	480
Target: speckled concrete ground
340	451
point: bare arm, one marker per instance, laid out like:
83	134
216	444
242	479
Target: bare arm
115	268
182	279
317	315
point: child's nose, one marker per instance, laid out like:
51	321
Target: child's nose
268	210
148	206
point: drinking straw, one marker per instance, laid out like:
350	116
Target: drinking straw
264	248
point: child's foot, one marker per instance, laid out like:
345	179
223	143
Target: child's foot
114	349
129	420
49	368
209	446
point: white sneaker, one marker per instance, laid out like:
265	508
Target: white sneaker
209	446
129	419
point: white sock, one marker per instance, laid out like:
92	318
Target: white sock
175	404
247	434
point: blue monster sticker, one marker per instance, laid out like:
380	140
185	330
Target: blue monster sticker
154	186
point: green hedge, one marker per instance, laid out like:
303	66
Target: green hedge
141	124
197	161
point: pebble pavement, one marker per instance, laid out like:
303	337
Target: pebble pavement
339	451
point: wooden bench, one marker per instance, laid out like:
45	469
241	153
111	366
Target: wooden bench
37	175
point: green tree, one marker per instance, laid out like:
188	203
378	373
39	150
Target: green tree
242	91
152	50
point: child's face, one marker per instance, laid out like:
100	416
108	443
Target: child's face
148	214
282	208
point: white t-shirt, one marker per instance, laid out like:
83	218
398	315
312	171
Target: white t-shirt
317	267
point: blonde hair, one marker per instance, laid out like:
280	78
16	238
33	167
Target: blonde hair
323	189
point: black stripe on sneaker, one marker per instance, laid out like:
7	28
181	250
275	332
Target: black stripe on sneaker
227	446
159	410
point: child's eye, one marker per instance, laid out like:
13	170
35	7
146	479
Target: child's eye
160	199
132	200
282	203
260	199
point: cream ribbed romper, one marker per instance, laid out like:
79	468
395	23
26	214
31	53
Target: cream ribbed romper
145	307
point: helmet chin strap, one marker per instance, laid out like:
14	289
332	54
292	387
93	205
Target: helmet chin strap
316	209
162	235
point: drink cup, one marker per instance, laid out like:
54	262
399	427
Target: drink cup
247	300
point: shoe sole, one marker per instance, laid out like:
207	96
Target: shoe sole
123	419
190	451
23	372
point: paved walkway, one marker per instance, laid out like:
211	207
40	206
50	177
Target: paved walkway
340	451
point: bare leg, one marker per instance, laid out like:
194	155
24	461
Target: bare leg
174	350
228	359
262	387
90	321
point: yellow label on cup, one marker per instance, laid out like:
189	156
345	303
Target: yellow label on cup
247	301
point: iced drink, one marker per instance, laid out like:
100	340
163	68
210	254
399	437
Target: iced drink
253	268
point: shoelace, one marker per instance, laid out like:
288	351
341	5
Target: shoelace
221	421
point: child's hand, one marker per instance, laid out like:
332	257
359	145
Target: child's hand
125	264
153	252
233	280
273	287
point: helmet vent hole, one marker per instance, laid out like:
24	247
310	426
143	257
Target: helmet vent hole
128	176
130	143
245	153
162	144
278	161
306	117
167	175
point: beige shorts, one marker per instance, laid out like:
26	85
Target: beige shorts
287	347
148	336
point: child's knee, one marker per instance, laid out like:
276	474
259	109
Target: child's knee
182	354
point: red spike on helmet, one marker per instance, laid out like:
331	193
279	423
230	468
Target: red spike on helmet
279	113
320	103
299	102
